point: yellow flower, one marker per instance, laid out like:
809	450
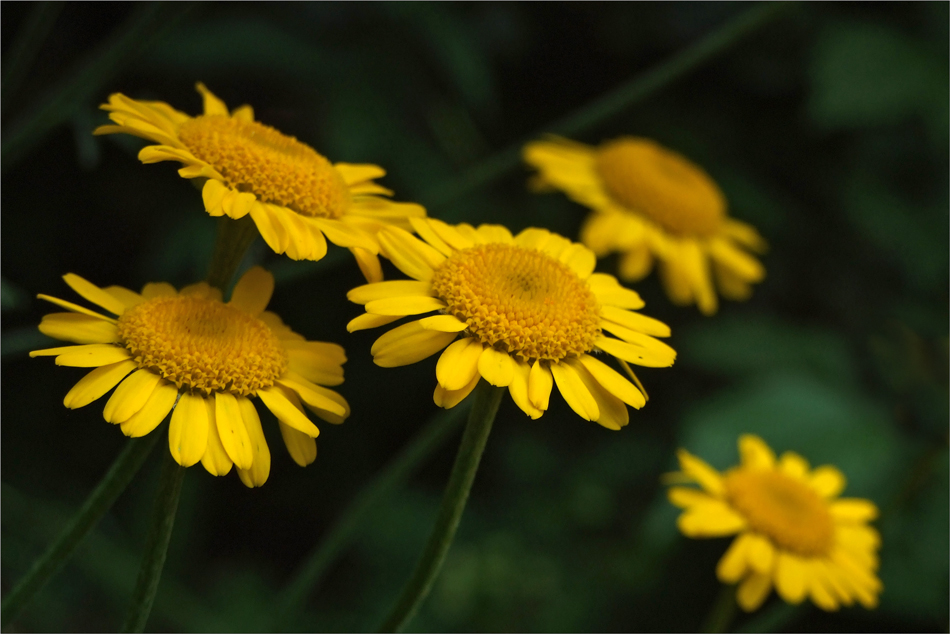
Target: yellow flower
295	196
191	354
793	529
652	203
529	310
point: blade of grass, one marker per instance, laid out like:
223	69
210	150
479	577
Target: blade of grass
614	102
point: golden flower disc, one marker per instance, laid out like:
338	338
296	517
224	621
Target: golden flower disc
785	510
202	344
663	185
277	168
520	300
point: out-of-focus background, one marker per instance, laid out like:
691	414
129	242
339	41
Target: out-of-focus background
827	128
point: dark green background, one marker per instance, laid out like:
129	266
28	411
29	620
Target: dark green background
827	129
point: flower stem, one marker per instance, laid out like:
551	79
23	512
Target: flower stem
347	527
156	544
484	407
126	465
234	237
723	611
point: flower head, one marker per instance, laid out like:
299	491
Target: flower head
794	532
297	198
652	203
189	353
524	312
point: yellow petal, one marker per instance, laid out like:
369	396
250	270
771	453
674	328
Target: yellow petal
286	412
94	294
518	388
314	367
701	472
260	467
734	563
407	344
212	104
365	321
346	235
540	384
712	519
685	497
449	235
496	367
310	394
579	259
752	592
75	308
790	577
404	305
854	510
443	323
392	288
369	264
97	383
793	465
647	352
827	481
613	382
761	554
412	256
92	355
495	234
78	328
612	412
353	173
302	447
635	321
458	364
231	430
129	298
130	396
253	291
755	453
156	408
424	228
158	289
188	432
215	459
574	391
449	399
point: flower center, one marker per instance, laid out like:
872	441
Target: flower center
783	509
521	301
203	344
275	167
671	190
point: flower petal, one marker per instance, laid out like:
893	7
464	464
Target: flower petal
188	432
407	344
645	351
404	305
496	367
712	519
574	391
212	104
310	394
790	577
215	459
130	396
752	592
369	264
393	288
253	291
366	320
755	453
231	430
518	388
613	382
540	384
685	497
92	355
97	383
703	474
448	399
94	294
635	321
156	408
828	481
260	466
412	256
302	447
78	328
458	364
853	510
735	562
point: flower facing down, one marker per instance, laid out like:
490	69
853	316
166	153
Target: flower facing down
794	532
524	312
295	196
189	353
652	203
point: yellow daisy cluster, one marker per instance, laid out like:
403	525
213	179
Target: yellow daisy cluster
794	533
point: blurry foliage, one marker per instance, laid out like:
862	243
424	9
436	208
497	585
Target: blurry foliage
828	130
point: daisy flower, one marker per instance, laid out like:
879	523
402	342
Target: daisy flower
652	203
296	197
524	312
793	531
189	353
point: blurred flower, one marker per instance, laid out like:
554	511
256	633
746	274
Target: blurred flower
530	311
190	352
650	202
296	197
793	530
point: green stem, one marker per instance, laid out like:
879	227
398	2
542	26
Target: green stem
156	545
723	611
484	407
114	483
234	238
344	532
614	102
